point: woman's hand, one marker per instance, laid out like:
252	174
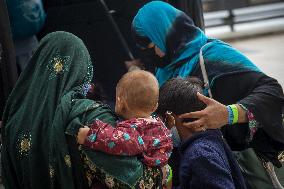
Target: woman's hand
214	116
134	65
82	135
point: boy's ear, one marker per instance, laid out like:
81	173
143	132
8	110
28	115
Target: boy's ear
170	120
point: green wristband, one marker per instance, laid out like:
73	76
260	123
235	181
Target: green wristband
235	113
170	178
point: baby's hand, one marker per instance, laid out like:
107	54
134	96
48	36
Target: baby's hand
167	177
82	135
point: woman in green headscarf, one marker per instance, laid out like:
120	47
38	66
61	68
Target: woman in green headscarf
41	120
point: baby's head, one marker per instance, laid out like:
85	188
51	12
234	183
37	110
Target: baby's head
137	94
179	96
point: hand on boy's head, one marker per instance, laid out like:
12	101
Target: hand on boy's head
134	65
82	135
214	116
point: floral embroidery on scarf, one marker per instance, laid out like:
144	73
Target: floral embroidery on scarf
51	171
67	160
142	184
281	157
24	144
150	183
109	181
58	65
146	182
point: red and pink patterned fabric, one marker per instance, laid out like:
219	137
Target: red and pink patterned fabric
148	138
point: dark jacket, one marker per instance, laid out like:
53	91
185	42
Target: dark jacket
208	162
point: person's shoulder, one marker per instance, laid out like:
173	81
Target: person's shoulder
200	148
206	154
206	145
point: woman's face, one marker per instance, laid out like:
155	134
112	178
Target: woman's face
154	55
156	49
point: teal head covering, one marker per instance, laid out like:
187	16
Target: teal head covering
61	65
27	17
175	34
47	105
154	21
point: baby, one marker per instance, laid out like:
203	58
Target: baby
140	134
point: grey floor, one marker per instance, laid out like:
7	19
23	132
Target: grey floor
267	52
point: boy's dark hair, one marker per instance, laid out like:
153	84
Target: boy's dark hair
179	96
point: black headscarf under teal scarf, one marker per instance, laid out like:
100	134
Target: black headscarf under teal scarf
175	34
46	106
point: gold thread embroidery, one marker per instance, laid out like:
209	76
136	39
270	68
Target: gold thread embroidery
24	144
109	181
67	160
58	66
51	171
281	157
91	166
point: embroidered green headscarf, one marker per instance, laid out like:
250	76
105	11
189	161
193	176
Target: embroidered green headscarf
47	105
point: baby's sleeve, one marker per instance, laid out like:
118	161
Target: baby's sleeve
119	140
158	144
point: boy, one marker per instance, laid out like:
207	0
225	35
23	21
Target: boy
206	160
140	134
